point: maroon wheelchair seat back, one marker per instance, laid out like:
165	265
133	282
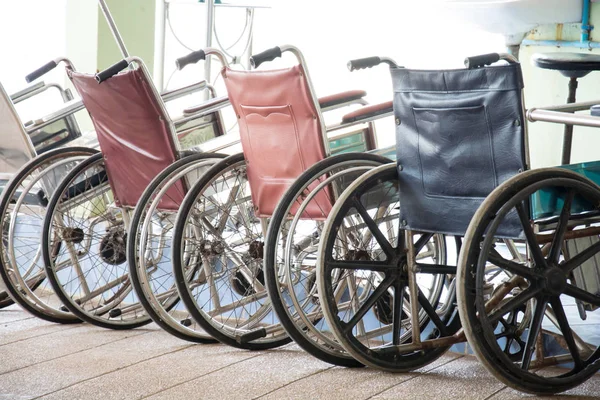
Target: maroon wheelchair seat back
134	134
280	132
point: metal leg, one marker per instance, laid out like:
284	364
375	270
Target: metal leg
568	134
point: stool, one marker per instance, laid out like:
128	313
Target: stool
573	66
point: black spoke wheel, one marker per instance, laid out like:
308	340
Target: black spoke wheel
363	279
528	331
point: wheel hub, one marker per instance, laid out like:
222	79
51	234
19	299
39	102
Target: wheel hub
555	281
73	235
113	247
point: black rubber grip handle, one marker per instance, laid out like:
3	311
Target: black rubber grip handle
363	63
111	71
482	60
43	70
267	55
191	58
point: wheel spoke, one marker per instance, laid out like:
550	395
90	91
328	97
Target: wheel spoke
377	234
563	323
561	228
376	266
513	303
432	314
370	302
580	258
582	295
538	258
398	300
534	330
423	240
511	266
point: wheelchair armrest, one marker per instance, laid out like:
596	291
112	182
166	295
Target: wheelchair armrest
206	105
338	100
368	112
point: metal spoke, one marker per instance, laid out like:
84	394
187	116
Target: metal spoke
582	295
376	266
513	303
423	240
370	302
561	228
377	234
534	330
432	314
398	302
580	258
538	258
563	323
511	266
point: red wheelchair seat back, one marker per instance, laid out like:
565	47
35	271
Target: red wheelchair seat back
280	132
133	133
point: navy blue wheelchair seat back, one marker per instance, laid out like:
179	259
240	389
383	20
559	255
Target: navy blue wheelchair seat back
459	133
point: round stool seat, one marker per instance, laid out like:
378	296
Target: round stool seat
571	65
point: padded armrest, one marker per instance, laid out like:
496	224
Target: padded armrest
595	111
341	98
368	112
206	105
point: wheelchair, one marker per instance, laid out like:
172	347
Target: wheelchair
528	276
385	284
84	230
32	160
223	219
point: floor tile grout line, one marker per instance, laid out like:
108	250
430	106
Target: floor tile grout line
200	376
416	376
17	320
294	381
496	392
75	352
66	328
114	370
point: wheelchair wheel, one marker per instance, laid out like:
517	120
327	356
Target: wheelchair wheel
217	223
22	210
290	254
149	249
524	311
84	241
386	293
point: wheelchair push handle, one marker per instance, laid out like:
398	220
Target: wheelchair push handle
363	63
43	70
482	60
111	71
191	58
267	55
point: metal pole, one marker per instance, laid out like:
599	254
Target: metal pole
568	132
113	28
159	43
210	22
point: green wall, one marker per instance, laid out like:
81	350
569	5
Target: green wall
135	21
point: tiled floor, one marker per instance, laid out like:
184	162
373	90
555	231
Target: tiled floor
43	360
